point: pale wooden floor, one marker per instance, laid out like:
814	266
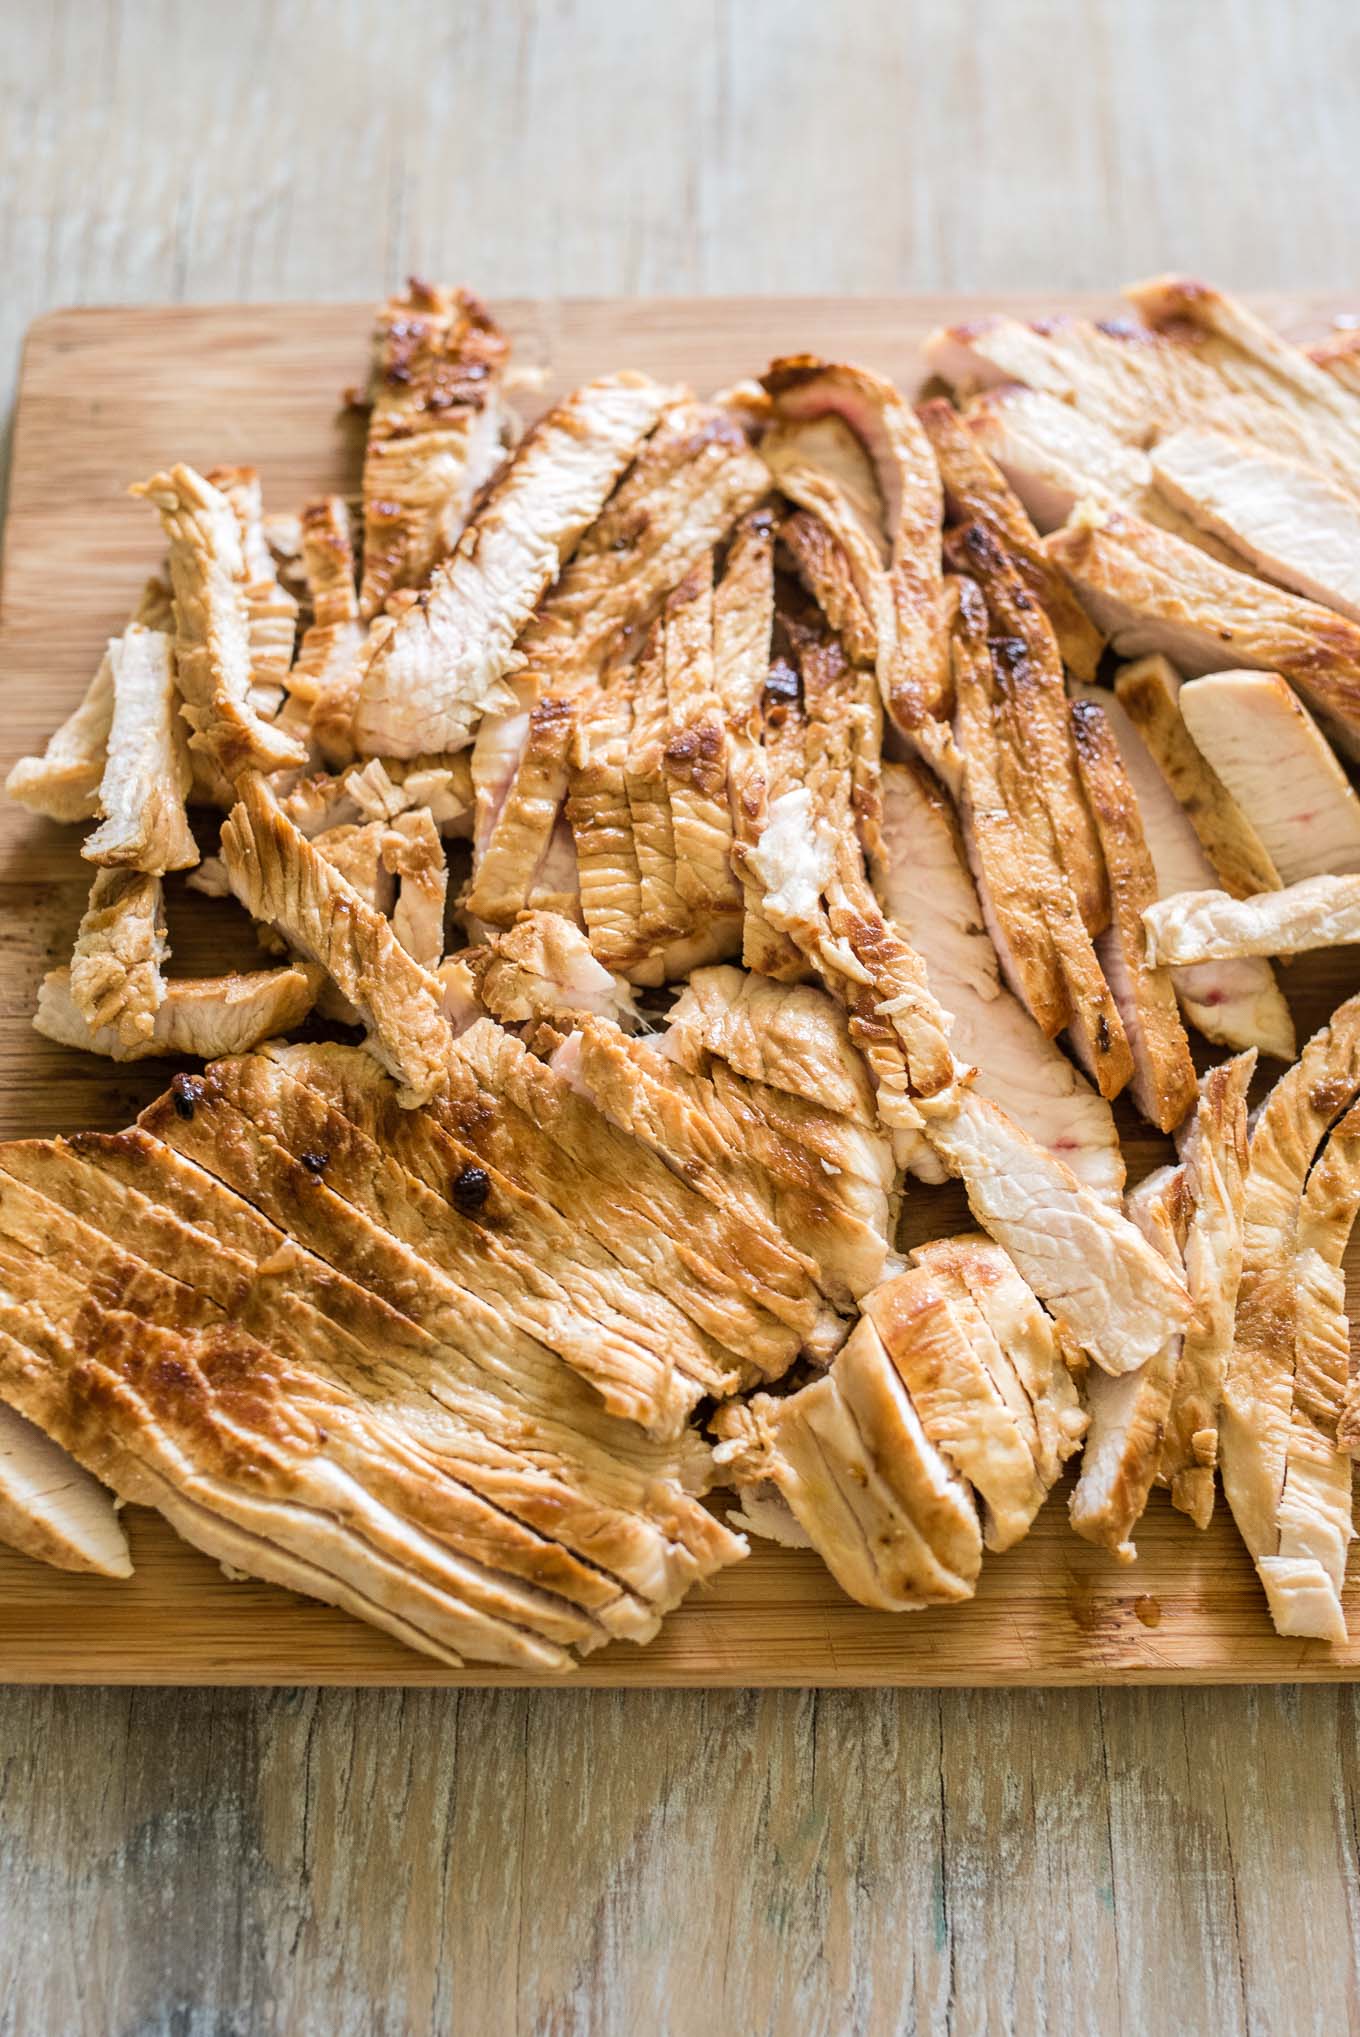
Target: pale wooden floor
205	1863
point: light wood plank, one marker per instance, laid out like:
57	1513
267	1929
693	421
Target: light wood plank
94	410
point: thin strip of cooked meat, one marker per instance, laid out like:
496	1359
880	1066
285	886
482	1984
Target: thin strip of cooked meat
115	979
431	673
1021	1344
942	1359
1006	863
1315	1509
824	568
1149	692
271	610
356	851
1152	592
1129	1414
1339	356
1054	458
212	626
280	879
63	783
53	1511
1292	523
1235	1004
1030	674
1277	763
413	852
1259	1387
1277	395
1213	1152
923	882
790	1036
1326	1374
695	758
436	432
1100	1281
912	625
508	863
543	968
1202	926
202	1015
976	491
1164	1074
599	810
662	913
1095	1024
146	770
743	629
821	465
893	1523
324	682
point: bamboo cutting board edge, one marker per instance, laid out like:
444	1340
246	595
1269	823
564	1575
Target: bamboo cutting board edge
106	394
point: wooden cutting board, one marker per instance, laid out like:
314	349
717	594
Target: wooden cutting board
105	398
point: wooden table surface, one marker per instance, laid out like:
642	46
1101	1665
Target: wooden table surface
209	1863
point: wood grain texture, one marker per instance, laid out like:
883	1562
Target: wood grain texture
212	1863
94	410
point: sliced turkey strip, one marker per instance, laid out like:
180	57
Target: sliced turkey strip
1315	1509
63	783
1106	1288
1292	523
115	980
1260	1386
976	491
1163	1075
323	685
1235	1004
1029	673
146	771
1213	1150
907	602
1277	763
894	1524
1152	592
200	1015
52	1510
1206	926
1022	1346
1129	1414
213	647
923	883
956	1375
282	880
1009	867
431	673
437	431
1149	692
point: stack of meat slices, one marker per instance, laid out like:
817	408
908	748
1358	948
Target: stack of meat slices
686	828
